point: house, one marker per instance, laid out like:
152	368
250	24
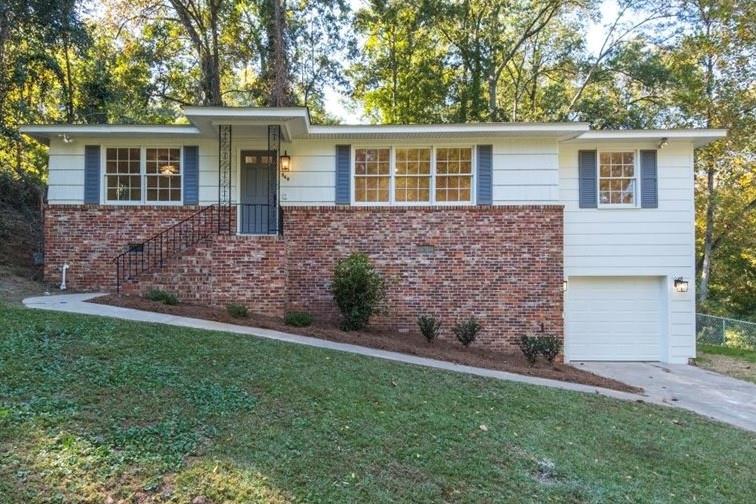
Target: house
530	227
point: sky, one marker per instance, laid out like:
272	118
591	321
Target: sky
347	111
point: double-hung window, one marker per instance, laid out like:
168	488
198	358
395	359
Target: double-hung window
617	179
413	175
143	175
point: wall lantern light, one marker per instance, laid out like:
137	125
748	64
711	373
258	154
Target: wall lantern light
564	285
681	285
285	162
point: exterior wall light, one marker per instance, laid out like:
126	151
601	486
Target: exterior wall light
285	162
564	285
663	143
681	285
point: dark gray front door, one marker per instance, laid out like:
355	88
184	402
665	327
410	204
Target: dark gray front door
258	209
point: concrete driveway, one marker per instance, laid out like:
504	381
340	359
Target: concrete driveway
705	392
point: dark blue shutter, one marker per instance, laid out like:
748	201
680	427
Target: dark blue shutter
587	179
92	174
485	175
343	174
191	175
649	175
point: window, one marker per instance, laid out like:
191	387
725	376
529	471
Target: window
617	178
122	174
138	175
163	175
413	175
372	175
454	174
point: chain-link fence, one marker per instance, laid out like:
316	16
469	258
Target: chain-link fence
715	330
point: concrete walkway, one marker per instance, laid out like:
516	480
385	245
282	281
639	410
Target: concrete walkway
76	303
705	392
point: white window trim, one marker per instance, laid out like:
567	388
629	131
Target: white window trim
142	175
636	180
392	176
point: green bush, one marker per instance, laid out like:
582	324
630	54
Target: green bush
531	347
545	345
298	319
357	289
162	296
237	310
429	327
550	347
467	331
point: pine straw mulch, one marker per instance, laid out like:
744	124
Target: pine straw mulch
408	343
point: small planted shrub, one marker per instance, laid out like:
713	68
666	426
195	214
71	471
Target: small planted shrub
550	347
237	310
357	289
544	344
298	319
467	331
429	327
162	296
531	347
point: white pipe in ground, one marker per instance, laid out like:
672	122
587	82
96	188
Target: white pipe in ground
63	281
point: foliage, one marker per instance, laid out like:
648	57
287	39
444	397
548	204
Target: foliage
162	296
237	310
298	319
542	344
429	326
550	347
531	348
94	409
357	289
467	330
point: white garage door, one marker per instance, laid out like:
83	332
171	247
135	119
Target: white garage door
613	318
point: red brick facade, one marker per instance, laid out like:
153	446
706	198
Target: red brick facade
502	264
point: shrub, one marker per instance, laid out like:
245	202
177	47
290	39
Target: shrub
357	289
550	347
546	345
531	347
162	296
429	326
467	331
298	319
237	310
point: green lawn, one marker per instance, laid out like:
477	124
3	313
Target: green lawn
736	362
93	407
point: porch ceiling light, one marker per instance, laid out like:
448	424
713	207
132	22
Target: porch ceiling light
681	285
285	160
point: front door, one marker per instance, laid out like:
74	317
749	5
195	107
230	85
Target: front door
258	209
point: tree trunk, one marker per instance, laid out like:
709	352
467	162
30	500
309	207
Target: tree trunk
278	64
703	288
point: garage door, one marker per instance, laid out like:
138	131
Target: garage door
613	318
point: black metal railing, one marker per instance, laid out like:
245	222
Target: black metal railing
152	254
260	218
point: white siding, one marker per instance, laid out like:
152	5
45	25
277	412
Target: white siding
66	173
525	170
638	242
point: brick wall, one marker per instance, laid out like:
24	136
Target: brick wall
502	264
88	237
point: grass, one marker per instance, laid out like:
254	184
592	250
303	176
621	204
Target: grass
92	408
736	362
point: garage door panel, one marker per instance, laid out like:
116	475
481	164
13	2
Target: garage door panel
613	318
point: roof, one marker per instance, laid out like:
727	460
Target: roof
295	124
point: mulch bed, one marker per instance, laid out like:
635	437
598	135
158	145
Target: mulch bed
409	343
